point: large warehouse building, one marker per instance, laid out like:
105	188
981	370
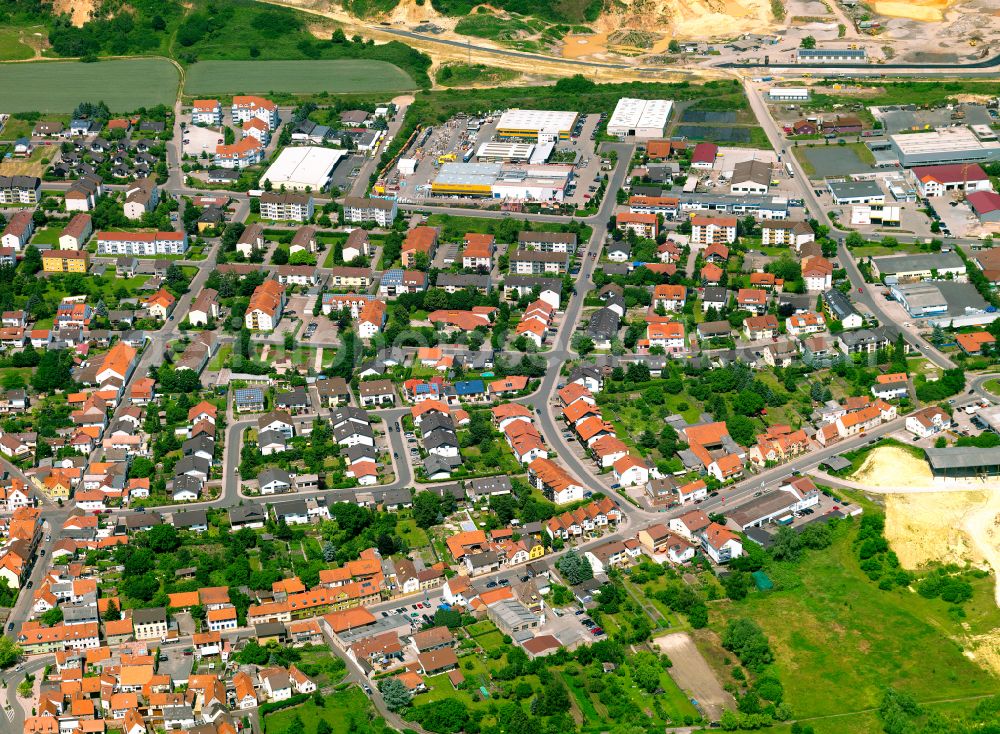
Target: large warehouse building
466	179
944	145
497	181
536	124
640	118
302	168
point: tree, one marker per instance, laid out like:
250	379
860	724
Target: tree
52	616
9	652
32	262
426	509
747	641
162	539
742	430
554	698
748	402
113	613
574	568
787	544
808	42
582	344
53	372
395	694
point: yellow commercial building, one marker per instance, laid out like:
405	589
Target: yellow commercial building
65	261
535	123
466	179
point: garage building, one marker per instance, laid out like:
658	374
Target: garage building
963	462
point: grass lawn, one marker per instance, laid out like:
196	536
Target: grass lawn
15	377
460	75
296	77
928	94
490	641
454	229
58	86
832	630
582	698
343	711
993	386
132	285
47	236
480	628
876	250
11	46
415	537
219	360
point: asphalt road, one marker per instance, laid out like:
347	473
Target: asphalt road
859	289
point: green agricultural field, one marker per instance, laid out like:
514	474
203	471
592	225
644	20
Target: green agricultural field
59	86
296	77
11	46
833	630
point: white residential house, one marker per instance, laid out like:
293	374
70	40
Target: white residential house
206	112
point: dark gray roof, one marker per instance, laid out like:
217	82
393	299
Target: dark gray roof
149	616
963	457
715	294
839	304
190	518
435	463
440	437
246	513
270	475
290	507
603	324
463	280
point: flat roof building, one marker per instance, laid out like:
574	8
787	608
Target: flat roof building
508	152
301	167
831	55
856	192
466	179
944	145
918	266
536	123
640	118
921	299
788	94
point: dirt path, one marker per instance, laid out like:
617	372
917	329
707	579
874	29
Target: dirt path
691	672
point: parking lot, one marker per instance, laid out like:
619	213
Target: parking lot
956	216
450	141
200	139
